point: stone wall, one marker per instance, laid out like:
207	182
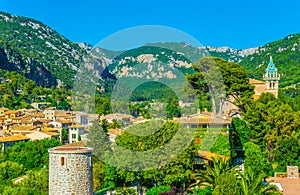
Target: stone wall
70	172
292	172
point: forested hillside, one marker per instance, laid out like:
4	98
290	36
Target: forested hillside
36	51
285	53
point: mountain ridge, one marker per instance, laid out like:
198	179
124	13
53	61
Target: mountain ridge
38	52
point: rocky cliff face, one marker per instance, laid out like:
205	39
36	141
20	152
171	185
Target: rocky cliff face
29	67
37	52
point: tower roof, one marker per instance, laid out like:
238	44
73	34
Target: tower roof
271	65
70	150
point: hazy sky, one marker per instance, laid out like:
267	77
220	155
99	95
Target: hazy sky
238	24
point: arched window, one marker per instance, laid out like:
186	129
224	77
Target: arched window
62	161
270	85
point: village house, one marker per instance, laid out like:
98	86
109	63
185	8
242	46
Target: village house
29	111
49	113
74	132
61	123
8	124
30	123
12	113
11	140
42	135
63	116
91	118
54	132
19	119
3	110
38	116
40	105
118	117
204	120
81	118
17	129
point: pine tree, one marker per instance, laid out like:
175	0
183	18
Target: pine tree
98	139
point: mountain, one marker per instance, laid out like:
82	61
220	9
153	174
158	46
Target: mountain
36	51
159	62
194	53
227	53
286	57
171	54
41	54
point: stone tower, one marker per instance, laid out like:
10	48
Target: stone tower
70	171
272	78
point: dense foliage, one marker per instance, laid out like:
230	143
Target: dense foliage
221	178
144	137
221	81
274	127
17	92
24	167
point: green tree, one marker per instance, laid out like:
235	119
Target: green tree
228	184
173	109
98	174
157	190
32	155
254	159
64	134
104	124
35	182
272	122
212	175
99	140
10	170
149	136
128	191
215	74
251	184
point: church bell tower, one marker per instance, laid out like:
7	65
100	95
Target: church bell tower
272	78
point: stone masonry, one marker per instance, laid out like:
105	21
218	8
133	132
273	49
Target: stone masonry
70	171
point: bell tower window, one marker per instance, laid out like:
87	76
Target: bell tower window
62	161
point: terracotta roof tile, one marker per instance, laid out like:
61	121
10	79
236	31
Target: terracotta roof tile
76	126
253	81
13	138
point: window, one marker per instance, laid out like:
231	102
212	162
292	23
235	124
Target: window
73	136
62	161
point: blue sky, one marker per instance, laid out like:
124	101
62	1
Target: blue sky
238	24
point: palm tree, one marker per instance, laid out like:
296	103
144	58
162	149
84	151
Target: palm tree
211	176
251	184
